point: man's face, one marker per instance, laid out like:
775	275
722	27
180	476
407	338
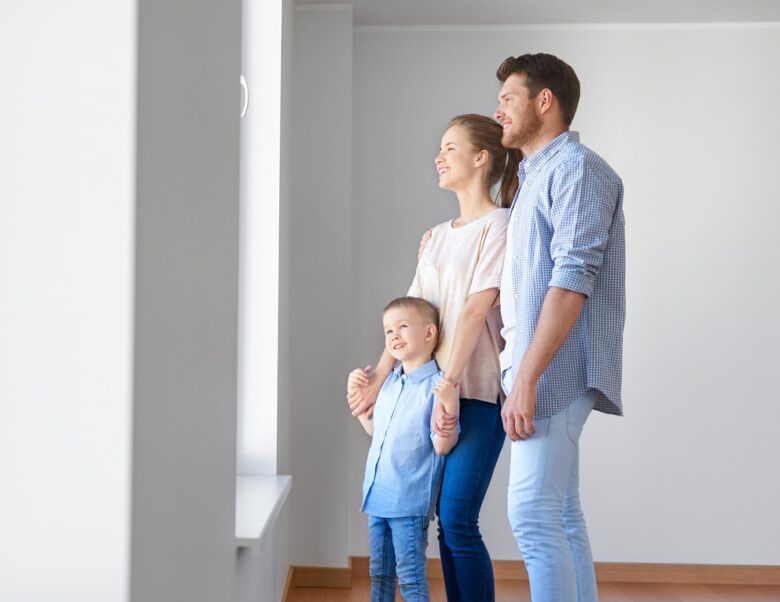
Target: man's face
517	113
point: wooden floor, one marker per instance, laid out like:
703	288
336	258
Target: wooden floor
517	591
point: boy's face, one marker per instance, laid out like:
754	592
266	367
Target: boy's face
408	336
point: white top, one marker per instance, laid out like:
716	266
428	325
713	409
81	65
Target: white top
456	263
507	304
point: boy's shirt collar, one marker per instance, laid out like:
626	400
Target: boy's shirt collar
419	374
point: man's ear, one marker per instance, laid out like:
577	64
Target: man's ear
545	100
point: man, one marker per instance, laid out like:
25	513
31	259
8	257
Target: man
563	307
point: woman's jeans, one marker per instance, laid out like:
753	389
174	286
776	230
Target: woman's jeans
544	507
465	562
397	545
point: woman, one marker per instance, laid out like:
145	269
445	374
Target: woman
459	271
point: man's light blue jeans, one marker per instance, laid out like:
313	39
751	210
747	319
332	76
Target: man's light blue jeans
397	545
544	509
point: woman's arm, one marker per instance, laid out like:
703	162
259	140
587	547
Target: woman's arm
467	330
362	388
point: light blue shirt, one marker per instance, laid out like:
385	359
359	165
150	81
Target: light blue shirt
403	471
568	232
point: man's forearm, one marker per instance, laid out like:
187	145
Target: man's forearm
560	310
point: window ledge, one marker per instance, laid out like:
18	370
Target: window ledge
259	499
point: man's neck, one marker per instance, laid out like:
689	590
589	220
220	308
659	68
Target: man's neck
546	135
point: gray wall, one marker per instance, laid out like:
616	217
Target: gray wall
320	284
183	492
686	115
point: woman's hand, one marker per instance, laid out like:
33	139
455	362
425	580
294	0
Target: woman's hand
423	242
362	391
443	423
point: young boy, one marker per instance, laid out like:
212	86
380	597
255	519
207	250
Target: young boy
405	463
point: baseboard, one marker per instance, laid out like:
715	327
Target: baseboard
319	576
606	572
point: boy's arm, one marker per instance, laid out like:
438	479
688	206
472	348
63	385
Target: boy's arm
449	397
367	422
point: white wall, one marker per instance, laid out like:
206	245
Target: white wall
67	150
687	116
184	431
318	311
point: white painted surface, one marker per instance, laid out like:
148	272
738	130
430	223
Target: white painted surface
319	285
502	12
261	64
259	501
687	117
67	150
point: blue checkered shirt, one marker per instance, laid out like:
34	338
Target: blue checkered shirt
568	232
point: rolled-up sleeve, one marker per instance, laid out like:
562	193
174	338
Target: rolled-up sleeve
583	205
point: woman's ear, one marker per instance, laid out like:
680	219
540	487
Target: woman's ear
482	158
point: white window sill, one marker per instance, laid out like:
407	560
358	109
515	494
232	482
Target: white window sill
259	499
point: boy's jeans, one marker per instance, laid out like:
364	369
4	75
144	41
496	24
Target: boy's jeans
544	506
397	545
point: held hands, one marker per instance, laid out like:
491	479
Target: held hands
517	412
362	391
445	413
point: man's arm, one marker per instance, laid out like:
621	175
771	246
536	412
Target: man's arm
559	313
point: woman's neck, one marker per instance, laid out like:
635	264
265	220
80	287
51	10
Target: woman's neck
474	201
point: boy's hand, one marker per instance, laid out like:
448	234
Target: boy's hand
362	391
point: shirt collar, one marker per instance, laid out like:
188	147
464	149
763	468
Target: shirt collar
419	374
544	154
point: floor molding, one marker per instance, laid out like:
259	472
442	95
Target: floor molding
321	576
606	572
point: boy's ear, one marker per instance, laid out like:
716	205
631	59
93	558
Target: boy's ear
430	332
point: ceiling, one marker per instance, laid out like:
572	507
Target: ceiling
535	12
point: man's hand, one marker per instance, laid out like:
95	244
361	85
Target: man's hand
517	412
423	242
362	391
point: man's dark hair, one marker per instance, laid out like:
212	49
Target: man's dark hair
545	71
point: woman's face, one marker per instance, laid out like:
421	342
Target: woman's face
457	162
